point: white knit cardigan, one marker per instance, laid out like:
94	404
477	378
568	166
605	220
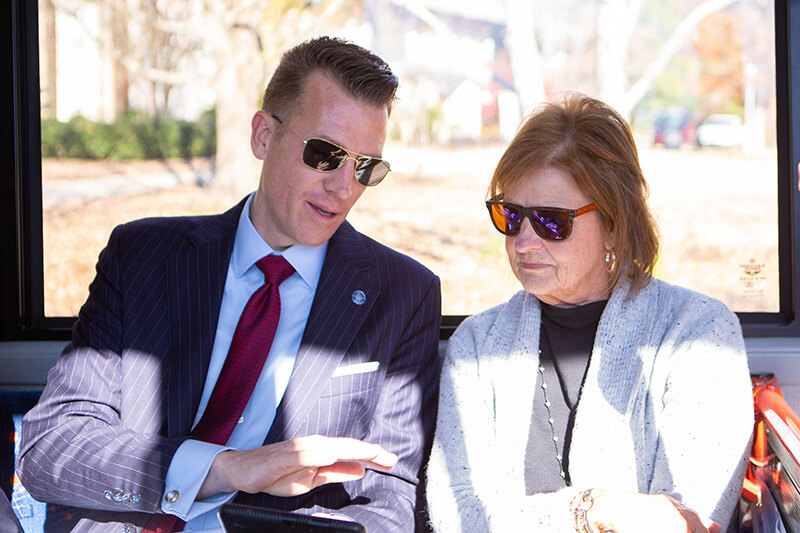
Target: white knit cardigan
666	408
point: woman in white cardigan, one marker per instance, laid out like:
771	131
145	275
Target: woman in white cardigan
598	398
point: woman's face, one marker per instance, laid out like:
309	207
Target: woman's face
561	273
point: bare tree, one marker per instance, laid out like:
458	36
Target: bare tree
523	49
119	41
169	43
551	46
539	46
616	22
245	39
47	58
161	49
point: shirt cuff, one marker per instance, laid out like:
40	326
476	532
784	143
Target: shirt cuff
185	476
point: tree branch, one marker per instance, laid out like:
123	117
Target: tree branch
637	91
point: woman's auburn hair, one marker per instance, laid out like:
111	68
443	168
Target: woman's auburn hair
592	143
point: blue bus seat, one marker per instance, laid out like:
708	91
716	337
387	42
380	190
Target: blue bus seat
13	406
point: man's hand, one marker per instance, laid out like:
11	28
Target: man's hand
624	512
294	467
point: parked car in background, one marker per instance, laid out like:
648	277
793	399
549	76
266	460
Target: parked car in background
721	130
673	127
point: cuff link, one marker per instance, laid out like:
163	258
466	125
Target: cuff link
172	496
121	496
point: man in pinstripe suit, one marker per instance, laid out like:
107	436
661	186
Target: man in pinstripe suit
343	410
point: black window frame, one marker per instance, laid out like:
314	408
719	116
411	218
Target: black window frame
21	243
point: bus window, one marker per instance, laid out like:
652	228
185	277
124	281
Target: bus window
148	119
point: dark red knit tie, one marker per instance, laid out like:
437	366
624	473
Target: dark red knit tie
241	370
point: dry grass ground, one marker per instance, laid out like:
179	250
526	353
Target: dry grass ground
70	169
717	212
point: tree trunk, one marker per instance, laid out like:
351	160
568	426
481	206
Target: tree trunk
47	58
612	52
120	43
524	53
238	84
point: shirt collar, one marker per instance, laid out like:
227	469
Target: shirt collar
249	247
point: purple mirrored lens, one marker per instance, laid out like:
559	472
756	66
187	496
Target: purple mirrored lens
513	219
549	225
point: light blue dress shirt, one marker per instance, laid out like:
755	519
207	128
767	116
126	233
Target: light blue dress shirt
192	461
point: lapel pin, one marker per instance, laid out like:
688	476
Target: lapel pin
359	297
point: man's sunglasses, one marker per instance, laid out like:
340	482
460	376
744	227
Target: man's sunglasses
549	223
325	156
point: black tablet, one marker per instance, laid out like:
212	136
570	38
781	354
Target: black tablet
237	518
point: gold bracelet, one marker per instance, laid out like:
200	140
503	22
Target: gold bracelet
580	505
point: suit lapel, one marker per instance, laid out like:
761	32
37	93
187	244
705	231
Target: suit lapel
332	324
196	275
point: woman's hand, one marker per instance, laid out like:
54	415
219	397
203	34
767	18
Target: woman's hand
626	512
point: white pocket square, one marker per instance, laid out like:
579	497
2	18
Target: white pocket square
358	368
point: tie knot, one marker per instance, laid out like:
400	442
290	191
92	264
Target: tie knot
275	269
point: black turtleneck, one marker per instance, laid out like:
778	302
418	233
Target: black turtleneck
566	340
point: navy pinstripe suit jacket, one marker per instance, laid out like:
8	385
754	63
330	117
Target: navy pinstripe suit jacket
124	393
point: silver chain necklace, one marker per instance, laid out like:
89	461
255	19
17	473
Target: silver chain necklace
551	422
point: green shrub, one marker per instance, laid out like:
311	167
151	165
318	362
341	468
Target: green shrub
52	138
130	136
75	136
99	140
204	135
127	144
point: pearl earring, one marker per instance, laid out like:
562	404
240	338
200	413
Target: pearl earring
611	261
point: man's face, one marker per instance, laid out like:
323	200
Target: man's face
295	204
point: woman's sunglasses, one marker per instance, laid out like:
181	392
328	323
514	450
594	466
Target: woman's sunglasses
549	223
325	156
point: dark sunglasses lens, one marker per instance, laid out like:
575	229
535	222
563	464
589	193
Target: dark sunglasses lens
322	155
551	225
506	219
371	171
